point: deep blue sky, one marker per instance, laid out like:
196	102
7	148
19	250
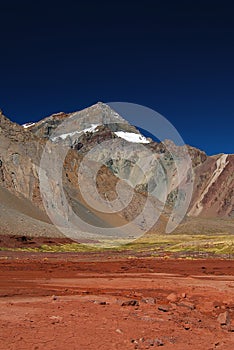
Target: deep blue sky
176	57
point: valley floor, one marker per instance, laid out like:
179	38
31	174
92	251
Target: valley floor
86	301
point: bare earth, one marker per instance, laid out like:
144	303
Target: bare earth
96	301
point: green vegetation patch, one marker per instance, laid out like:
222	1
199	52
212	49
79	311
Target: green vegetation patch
154	244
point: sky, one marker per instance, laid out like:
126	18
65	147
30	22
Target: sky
175	57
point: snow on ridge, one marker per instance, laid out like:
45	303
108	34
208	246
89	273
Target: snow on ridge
64	136
128	136
28	125
132	137
91	128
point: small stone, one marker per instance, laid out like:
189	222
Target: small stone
172	297
183	295
187	304
54	297
149	342
186	326
100	302
224	318
149	300
163	308
132	302
119	331
158	342
56	319
216	304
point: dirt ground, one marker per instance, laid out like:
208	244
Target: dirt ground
99	301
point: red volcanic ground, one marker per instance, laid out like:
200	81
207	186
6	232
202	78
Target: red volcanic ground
90	301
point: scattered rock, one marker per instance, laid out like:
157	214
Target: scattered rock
187	304
183	295
100	302
164	308
172	297
158	342
186	326
219	345
224	318
154	342
119	331
56	319
132	302
54	297
149	300
147	342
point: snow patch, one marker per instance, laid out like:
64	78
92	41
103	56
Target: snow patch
28	125
64	136
132	137
91	128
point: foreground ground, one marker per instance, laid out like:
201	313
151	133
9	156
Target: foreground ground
110	301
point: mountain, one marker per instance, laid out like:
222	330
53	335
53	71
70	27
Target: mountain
104	145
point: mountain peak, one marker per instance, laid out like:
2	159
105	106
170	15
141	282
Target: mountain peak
21	149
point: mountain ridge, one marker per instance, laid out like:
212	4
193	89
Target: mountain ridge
21	149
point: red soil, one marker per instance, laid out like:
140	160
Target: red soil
91	301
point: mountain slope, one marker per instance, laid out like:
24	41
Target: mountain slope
21	149
214	187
